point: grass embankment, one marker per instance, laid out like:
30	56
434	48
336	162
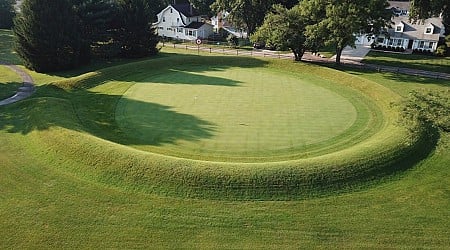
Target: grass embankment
9	82
48	200
45	206
421	62
94	95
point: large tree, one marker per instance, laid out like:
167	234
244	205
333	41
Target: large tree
47	35
6	13
99	22
204	6
344	19
285	29
136	36
248	13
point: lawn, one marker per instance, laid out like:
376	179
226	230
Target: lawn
421	62
54	195
9	82
235	112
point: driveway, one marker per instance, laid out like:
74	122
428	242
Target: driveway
26	90
354	54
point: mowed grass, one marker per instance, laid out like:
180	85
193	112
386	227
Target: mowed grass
48	200
7	53
9	82
421	62
234	113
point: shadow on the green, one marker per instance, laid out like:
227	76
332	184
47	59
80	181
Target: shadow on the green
173	69
74	106
94	113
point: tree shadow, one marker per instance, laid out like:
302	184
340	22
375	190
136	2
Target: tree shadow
179	76
158	124
73	105
401	78
8	89
167	68
94	113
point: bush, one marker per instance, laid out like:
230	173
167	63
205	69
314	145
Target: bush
233	40
429	108
442	50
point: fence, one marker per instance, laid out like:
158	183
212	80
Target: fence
220	49
230	51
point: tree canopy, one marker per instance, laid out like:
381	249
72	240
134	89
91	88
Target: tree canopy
284	29
339	21
6	13
48	35
249	13
136	36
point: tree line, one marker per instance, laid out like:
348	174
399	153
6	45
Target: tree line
56	35
59	35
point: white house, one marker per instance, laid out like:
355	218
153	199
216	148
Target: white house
182	21
406	34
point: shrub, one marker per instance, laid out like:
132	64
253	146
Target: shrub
441	50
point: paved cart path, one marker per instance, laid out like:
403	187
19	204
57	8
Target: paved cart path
24	91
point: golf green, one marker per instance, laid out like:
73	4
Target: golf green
212	114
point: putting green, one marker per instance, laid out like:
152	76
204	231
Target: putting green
236	113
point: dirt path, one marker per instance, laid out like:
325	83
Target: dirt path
24	91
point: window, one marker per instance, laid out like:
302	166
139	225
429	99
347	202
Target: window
391	41
428	30
164	18
399	42
180	30
399	28
178	19
380	40
170	10
421	44
161	28
430	45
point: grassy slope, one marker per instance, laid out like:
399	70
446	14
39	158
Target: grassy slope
133	169
42	206
9	82
430	63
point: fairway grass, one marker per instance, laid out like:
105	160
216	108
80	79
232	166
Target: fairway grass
69	178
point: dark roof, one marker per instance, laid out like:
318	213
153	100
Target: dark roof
194	25
186	9
417	30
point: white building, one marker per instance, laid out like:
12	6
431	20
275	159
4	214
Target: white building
406	34
182	21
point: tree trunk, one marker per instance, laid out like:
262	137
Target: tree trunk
298	54
338	55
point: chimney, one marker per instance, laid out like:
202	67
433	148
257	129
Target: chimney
190	8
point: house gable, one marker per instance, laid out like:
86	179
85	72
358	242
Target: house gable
181	22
